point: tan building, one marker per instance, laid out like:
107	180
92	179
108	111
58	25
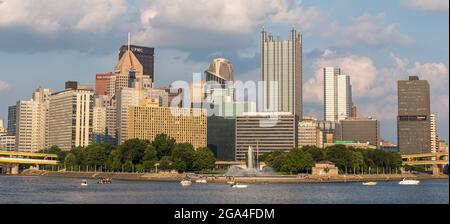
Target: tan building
2	126
325	168
309	133
7	142
183	124
443	146
71	118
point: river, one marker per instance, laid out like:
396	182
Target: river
55	190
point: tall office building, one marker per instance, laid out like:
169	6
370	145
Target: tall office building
130	97
354	111
359	130
104	84
220	70
337	95
265	133
433	131
145	55
413	121
31	125
185	125
12	117
71	118
281	70
309	132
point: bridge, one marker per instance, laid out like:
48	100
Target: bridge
12	159
436	160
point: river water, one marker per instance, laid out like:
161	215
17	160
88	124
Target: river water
51	190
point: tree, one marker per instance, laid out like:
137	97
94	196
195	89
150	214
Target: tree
70	161
133	150
179	165
165	164
203	159
113	163
317	154
184	152
163	145
96	155
149	158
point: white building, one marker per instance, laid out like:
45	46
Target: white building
337	95
2	126
31	121
434	137
71	118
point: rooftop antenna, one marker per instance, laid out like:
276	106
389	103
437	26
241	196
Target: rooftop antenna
129	40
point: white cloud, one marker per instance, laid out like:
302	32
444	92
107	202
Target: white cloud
50	16
4	86
427	5
218	23
372	31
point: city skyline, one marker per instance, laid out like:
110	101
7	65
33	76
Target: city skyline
375	62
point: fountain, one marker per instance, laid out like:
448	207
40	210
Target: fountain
252	167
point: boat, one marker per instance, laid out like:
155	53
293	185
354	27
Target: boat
104	181
186	183
84	183
201	181
409	182
370	183
239	186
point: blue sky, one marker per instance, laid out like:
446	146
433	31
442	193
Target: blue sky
45	43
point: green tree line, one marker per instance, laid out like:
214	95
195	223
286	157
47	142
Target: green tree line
347	159
137	155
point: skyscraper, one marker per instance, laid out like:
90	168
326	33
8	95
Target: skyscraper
71	118
145	55
12	112
337	95
31	126
281	70
413	121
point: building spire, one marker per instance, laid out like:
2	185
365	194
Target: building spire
129	40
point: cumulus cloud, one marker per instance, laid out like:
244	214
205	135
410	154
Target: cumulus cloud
219	24
50	16
53	24
373	31
427	5
4	86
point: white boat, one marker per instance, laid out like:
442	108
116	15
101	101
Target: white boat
201	181
239	186
370	183
409	182
84	183
186	183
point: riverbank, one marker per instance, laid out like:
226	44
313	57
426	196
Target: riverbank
173	177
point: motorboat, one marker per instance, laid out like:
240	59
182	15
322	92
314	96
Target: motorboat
201	181
186	183
239	186
370	183
84	183
409	182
